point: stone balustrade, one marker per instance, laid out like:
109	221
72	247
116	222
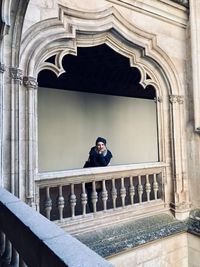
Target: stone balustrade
78	193
28	239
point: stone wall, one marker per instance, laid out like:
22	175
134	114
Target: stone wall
193	250
151	33
181	250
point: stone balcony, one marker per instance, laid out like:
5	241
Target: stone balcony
117	193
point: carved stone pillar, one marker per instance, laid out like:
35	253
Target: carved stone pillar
180	204
31	131
2	70
16	81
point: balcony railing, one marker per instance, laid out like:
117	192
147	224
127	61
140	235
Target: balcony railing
76	194
29	239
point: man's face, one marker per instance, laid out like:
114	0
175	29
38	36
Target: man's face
100	146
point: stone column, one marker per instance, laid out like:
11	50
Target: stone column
180	204
2	70
31	133
16	81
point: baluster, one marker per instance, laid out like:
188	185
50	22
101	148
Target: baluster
114	193
21	262
6	257
122	192
60	203
15	258
140	189
155	187
72	200
132	190
104	195
148	188
48	203
2	243
37	198
83	199
94	197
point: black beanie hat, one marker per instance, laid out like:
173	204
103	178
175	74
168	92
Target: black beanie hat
101	139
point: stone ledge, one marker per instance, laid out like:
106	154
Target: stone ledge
39	241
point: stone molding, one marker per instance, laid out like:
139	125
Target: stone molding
164	10
176	99
30	82
16	74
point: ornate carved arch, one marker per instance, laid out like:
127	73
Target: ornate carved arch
74	28
60	36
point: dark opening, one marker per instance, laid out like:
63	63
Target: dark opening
97	69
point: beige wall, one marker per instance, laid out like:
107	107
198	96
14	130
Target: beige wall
69	122
194	250
182	250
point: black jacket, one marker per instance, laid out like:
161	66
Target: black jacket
98	160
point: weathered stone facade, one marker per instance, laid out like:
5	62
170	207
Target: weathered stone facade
159	37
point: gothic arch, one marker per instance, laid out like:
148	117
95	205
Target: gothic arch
75	28
62	35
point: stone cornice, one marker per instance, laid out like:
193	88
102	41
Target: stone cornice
164	10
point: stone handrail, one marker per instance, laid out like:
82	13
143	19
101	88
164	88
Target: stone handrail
29	239
76	192
87	175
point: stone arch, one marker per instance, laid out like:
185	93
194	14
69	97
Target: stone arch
62	35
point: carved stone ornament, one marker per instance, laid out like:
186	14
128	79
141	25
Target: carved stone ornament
16	74
176	99
30	82
157	99
2	68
